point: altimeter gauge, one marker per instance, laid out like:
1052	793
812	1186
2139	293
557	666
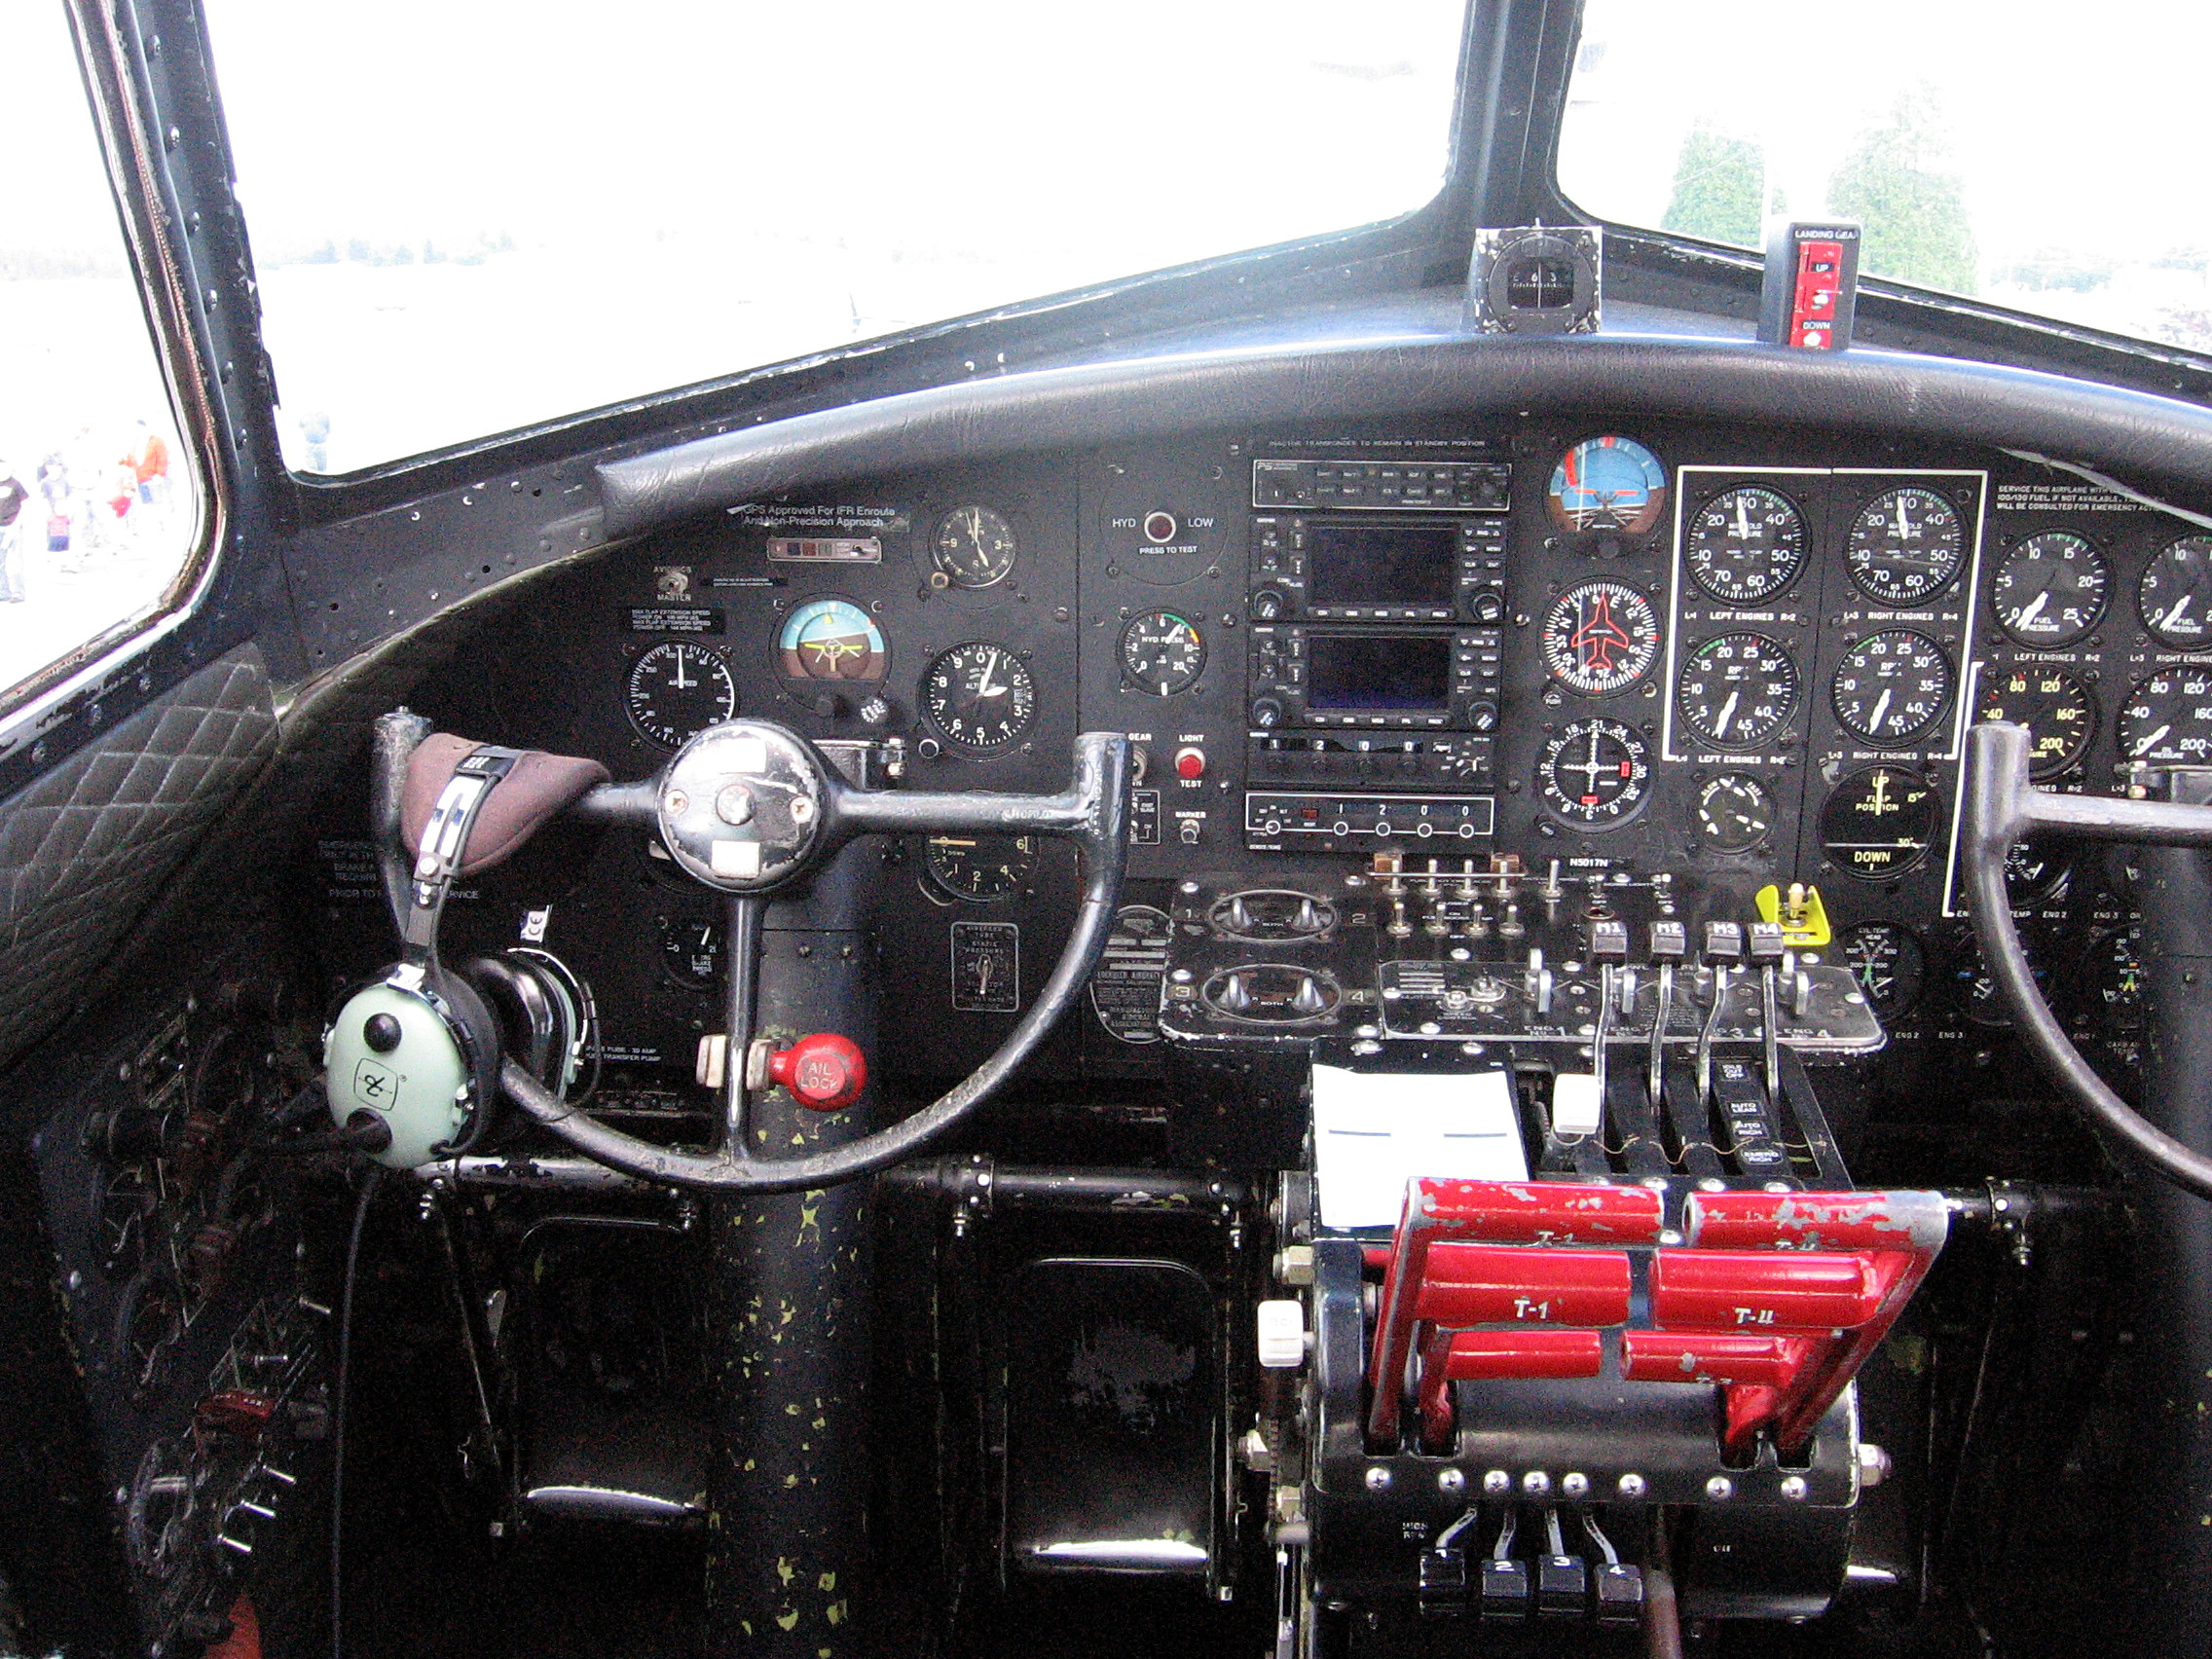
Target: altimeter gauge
981	695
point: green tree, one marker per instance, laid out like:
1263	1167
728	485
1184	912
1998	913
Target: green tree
1718	181
1913	210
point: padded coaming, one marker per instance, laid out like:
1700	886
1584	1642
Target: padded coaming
87	848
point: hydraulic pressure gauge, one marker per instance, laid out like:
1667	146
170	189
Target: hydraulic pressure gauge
1736	690
1162	652
1745	546
2175	595
1595	774
2051	590
2052	703
981	696
677	690
1892	687
1905	546
973	548
1600	638
1735	813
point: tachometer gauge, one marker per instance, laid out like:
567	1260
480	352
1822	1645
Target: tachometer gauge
2051	590
1600	638
1745	546
1737	689
1889	963
1878	822
1608	483
973	548
1890	687
1905	546
2175	595
692	952
2168	719
1162	652
831	638
983	869
1595	774
2052	703
981	696
1734	812
677	690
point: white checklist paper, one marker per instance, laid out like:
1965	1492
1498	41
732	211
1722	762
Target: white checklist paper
1373	1132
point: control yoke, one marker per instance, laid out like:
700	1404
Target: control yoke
2002	807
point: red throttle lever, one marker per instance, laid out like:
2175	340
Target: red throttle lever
824	1072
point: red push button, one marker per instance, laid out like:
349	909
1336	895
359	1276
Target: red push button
824	1072
1189	762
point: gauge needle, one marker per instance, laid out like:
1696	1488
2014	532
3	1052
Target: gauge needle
2154	740
1881	803
2174	617
2031	610
1903	525
1742	519
1881	708
1727	713
680	683
983	687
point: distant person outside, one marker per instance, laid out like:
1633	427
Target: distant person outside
12	496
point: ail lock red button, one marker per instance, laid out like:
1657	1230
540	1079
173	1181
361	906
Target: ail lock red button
1189	762
824	1072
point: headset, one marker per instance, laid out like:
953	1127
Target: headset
412	1057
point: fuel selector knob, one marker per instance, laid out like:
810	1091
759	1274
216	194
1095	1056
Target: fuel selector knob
824	1072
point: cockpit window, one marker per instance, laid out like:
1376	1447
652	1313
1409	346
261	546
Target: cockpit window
471	218
2034	154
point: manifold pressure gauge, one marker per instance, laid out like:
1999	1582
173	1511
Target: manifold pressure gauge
1745	546
1594	774
1907	545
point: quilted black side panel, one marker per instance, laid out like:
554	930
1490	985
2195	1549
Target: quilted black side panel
85	848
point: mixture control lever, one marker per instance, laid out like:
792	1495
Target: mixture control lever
1723	949
1669	943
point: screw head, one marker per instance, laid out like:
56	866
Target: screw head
1633	1486
1535	1483
1378	1478
1450	1480
1576	1485
1498	1483
1720	1489
1793	1488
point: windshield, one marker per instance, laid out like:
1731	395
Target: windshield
472	218
2034	154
